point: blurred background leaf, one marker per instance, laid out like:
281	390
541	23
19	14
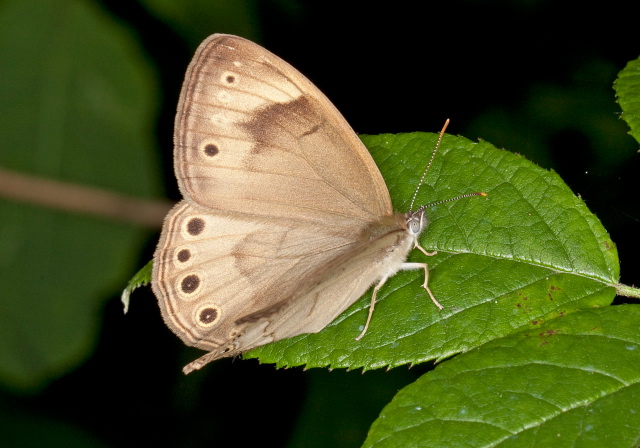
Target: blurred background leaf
89	91
627	87
194	19
78	106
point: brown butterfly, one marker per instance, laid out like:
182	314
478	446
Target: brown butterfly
286	220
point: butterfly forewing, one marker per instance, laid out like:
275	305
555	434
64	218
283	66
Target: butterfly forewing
254	136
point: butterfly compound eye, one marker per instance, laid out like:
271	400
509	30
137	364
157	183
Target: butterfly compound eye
414	225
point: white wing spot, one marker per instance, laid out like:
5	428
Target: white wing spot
219	119
224	96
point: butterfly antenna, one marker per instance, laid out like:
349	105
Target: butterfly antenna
433	155
479	193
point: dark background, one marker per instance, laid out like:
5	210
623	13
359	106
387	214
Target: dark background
533	77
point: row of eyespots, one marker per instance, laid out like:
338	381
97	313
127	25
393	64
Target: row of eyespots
208	315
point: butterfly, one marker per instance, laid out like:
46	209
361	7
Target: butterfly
286	220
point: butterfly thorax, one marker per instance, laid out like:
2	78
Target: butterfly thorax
393	236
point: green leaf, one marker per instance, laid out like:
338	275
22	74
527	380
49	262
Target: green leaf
573	382
627	87
142	278
528	252
534	123
78	109
196	19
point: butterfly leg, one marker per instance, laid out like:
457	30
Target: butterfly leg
426	273
407	266
424	251
373	303
404	266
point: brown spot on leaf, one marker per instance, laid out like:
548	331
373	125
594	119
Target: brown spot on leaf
230	79
548	333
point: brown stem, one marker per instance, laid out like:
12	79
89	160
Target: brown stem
82	199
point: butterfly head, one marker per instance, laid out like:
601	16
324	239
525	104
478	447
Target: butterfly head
416	221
